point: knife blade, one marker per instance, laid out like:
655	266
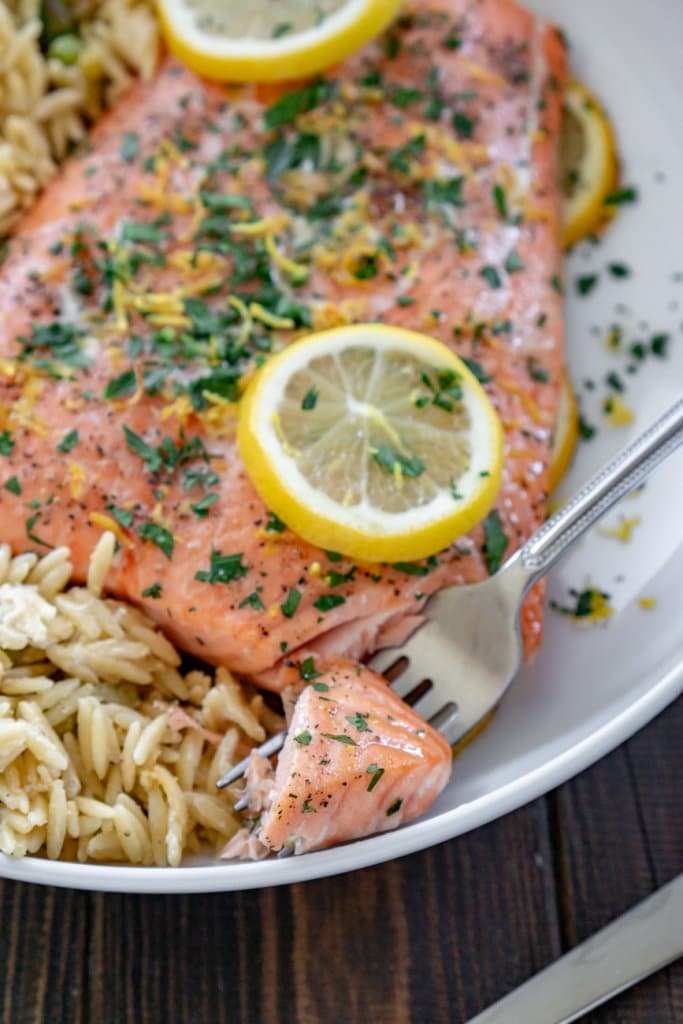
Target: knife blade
641	941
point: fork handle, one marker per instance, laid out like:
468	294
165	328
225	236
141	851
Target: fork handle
620	476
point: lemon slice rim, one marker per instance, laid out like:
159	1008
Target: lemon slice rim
585	213
565	435
290	56
403	536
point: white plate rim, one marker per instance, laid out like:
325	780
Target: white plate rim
421	835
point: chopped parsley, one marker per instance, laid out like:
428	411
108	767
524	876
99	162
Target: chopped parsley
201	507
336	579
359	721
130	146
121	386
444	388
326	602
307	671
500	199
252	600
310	399
400	159
141	232
659	344
513	262
619	269
13	486
158	535
392	461
287	108
6	443
304	738
586	283
396	806
222	568
154	591
123	516
340	738
69	441
476	369
274	524
491	276
620	196
444	191
535	371
291	602
463	125
415	568
376	772
63	342
495	541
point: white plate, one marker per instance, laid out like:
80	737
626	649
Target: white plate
589	689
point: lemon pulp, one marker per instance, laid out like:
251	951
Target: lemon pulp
373	441
267	41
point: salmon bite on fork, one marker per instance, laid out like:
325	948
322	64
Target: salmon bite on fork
456	668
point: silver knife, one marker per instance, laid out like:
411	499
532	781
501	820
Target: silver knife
642	940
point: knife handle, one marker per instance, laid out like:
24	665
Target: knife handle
644	939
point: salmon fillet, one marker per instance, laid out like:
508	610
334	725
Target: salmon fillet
203	227
356	761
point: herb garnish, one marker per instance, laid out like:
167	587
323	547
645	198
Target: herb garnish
291	602
392	461
222	568
376	772
158	535
6	443
69	441
495	541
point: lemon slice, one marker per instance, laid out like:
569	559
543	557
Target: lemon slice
566	433
269	40
373	441
589	168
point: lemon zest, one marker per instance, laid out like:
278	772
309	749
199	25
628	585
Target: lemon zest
264	316
297	272
77	478
624	530
107	523
648	603
618	413
259	228
537	414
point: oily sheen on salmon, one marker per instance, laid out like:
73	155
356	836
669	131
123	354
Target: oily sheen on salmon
205	227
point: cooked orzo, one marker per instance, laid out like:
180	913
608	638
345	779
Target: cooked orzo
61	64
109	751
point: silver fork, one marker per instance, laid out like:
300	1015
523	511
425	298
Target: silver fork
458	665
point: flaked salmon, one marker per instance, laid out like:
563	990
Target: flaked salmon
356	761
203	228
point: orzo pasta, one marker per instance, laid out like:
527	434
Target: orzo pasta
108	750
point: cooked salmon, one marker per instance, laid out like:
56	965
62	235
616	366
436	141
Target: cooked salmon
357	761
204	227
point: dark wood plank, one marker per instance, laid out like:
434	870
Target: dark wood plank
427	938
43	946
619	835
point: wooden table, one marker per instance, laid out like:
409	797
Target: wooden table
431	938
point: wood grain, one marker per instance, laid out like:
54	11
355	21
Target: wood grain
618	836
429	939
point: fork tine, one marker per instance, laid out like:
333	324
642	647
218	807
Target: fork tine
271	746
